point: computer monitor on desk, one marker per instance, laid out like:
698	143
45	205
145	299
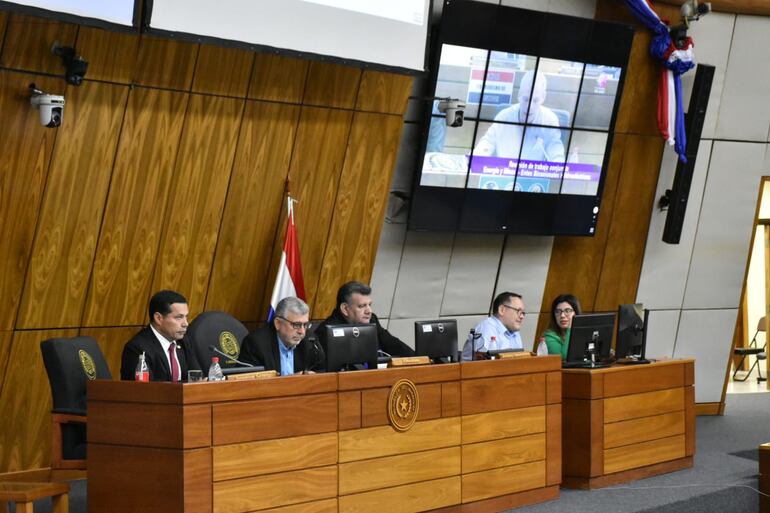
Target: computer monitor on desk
631	343
349	345
436	340
590	340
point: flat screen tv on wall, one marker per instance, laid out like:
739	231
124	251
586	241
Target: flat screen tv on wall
541	94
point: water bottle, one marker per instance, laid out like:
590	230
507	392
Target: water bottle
215	371
542	347
492	343
142	370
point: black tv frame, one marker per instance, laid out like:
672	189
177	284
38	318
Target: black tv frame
548	35
588	329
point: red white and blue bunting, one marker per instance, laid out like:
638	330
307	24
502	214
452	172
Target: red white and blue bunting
676	61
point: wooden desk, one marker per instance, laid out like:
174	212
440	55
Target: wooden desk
487	438
627	422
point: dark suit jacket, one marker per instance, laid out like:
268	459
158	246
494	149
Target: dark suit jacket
386	342
146	341
261	348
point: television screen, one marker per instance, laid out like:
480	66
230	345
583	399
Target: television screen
115	13
532	150
390	34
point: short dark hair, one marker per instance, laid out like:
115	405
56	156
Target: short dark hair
345	293
562	298
502	299
161	302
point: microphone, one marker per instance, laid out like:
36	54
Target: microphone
312	345
215	350
474	338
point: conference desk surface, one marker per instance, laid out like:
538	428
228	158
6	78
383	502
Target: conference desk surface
487	437
628	422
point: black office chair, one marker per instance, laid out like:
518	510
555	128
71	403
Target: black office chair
70	364
218	329
752	349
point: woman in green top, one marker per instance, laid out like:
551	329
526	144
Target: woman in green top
563	309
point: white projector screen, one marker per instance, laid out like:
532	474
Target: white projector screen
118	12
390	33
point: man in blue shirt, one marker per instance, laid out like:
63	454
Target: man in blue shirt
281	345
500	330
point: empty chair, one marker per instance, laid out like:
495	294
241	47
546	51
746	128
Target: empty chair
70	364
220	330
752	349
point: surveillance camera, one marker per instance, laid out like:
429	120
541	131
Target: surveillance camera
455	111
692	10
75	66
51	107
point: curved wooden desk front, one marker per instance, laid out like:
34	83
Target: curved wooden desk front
487	438
627	422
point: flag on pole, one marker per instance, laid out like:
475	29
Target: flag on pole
288	281
676	58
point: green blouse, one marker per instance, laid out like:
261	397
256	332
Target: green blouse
556	344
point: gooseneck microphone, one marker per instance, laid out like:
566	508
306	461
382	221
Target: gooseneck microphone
215	350
474	338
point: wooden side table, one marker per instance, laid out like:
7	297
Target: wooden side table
24	495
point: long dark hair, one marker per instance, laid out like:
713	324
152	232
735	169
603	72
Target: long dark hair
563	298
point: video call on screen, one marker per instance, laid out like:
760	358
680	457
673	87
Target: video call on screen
532	124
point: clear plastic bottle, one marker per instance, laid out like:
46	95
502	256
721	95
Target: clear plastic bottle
542	347
215	371
492	343
142	370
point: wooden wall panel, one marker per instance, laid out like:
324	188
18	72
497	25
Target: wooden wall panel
332	85
5	350
165	63
28	42
3	24
360	206
63	252
25	147
278	78
25	404
111	342
222	71
255	204
576	262
111	55
316	165
630	222
197	196
383	92
131	230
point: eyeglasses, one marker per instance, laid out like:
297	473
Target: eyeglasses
567	311
296	325
518	311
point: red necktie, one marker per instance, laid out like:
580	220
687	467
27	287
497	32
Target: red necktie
174	362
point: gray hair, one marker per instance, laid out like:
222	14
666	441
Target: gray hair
291	304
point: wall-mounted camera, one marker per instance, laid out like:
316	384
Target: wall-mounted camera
454	110
75	66
51	106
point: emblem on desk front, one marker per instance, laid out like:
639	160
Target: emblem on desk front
403	405
229	344
89	367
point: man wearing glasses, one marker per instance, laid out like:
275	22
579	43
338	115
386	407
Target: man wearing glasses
500	330
281	345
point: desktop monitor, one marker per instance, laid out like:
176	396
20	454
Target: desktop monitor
436	339
590	333
348	345
632	332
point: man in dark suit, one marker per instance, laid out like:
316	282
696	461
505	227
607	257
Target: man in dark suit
354	305
281	345
168	355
